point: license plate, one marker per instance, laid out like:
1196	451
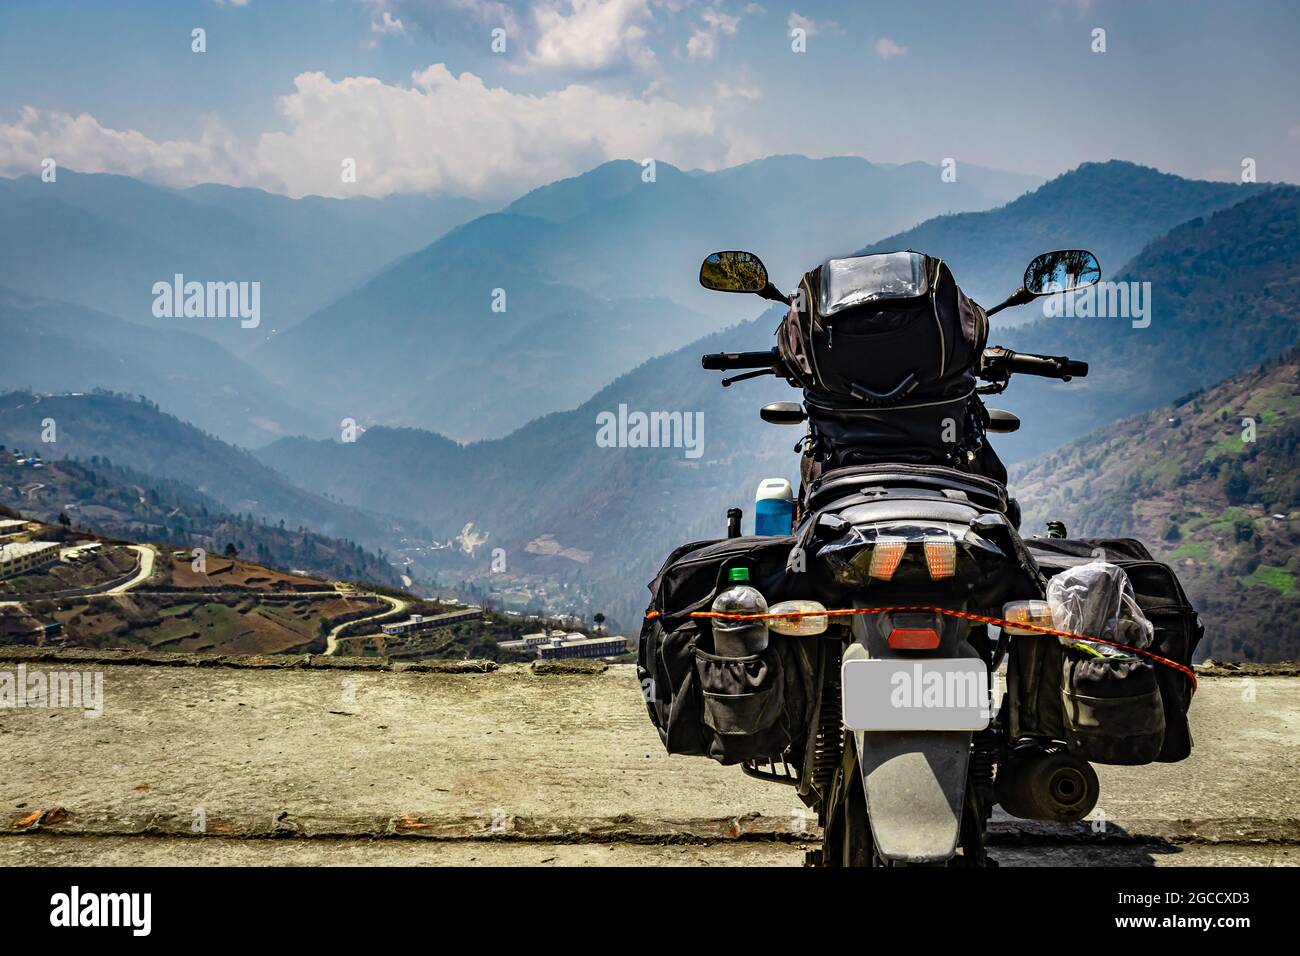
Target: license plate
894	694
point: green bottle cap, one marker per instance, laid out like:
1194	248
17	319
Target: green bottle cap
738	574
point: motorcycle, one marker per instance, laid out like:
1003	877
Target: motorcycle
912	746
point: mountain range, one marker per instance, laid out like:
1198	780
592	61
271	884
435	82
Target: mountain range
1211	483
480	454
112	501
134	433
61	347
533	309
102	241
559	504
1112	209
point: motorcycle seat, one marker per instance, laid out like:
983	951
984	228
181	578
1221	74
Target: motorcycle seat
947	482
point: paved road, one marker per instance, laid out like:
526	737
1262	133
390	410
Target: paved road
394	605
145	555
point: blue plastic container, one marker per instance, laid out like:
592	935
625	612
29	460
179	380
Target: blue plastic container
773	507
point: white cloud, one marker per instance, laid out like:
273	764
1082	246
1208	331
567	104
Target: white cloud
81	143
743	88
441	133
812	27
567	37
703	43
887	49
588	36
382	21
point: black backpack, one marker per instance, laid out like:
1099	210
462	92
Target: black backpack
885	348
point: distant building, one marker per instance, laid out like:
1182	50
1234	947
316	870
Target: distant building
10	527
576	645
418	622
24	556
82	550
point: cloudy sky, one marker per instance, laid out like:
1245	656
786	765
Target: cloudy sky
414	92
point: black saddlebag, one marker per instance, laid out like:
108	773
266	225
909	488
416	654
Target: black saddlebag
1106	710
730	709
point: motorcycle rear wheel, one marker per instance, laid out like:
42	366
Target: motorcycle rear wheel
847	840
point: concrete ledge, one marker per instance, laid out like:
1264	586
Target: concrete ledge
1003	830
118	657
568	667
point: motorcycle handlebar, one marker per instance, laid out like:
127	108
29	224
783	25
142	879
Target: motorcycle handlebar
1000	361
729	361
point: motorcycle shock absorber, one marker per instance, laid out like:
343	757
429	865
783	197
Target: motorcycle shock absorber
828	742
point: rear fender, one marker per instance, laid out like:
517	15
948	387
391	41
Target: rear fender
914	781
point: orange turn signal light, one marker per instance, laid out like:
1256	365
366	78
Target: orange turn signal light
886	556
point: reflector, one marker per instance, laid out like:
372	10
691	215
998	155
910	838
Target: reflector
914	638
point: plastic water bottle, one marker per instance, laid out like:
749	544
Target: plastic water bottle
739	638
773	507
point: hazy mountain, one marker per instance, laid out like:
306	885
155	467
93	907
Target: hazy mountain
1113	208
563	508
119	502
533	309
52	346
1224	295
1221	503
568	511
137	435
102	241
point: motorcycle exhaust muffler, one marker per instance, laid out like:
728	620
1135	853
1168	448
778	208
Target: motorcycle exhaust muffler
1047	785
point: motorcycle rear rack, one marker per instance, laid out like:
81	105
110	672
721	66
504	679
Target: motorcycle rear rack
772	773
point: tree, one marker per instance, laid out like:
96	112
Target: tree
599	618
231	550
64	519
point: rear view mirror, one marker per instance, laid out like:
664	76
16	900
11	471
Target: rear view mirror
1061	271
733	272
783	413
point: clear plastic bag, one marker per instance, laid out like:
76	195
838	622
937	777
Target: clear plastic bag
1097	600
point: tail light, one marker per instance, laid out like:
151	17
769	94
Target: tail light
913	638
941	556
1037	613
886	555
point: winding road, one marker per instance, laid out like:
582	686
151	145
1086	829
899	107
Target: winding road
146	555
144	568
394	605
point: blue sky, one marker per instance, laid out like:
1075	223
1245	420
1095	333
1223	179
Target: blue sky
412	91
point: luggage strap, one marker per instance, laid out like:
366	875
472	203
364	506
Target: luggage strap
964	615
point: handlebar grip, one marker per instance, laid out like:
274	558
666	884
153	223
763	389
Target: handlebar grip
1047	366
727	361
1026	363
